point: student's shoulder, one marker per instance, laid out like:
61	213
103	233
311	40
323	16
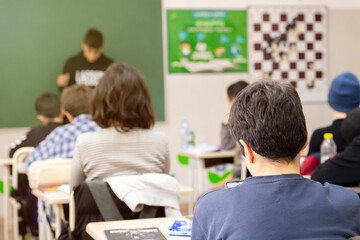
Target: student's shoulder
319	133
36	129
219	196
74	58
87	137
340	196
158	136
106	59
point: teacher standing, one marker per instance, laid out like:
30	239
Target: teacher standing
88	66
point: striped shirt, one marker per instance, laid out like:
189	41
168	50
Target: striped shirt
108	153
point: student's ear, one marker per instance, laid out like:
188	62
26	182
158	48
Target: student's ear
83	46
69	116
304	151
248	152
41	118
231	101
307	140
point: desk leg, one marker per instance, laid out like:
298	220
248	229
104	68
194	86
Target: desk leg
6	201
191	174
57	209
190	205
196	172
44	230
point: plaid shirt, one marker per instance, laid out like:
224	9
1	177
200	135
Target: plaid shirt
60	143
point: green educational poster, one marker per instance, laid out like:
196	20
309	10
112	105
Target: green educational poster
207	41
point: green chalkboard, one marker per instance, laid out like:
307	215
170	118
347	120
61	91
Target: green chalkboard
37	37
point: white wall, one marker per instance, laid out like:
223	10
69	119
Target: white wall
202	97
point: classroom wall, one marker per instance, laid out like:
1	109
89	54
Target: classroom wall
202	97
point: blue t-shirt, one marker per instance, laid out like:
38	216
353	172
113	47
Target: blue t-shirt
277	207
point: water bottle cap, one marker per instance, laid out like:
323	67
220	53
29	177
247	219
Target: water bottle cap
328	135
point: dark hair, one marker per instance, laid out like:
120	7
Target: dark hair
268	116
94	39
76	99
235	88
350	127
122	99
47	105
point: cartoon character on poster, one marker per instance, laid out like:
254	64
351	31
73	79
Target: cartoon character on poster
185	49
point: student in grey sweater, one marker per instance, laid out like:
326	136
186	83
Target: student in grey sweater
126	144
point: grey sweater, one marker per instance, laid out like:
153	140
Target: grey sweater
108	153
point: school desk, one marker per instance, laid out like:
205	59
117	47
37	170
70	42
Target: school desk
96	229
200	161
57	198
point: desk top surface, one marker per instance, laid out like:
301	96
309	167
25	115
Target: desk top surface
96	229
52	197
6	161
219	154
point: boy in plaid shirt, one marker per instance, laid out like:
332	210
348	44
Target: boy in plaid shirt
60	143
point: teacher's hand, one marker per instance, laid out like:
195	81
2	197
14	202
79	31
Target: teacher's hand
63	79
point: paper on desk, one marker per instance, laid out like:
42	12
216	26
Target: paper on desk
202	148
64	188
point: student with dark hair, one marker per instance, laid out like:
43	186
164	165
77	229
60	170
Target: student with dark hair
60	143
276	203
226	140
88	66
47	107
126	144
344	169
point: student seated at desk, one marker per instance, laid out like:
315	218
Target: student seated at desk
60	143
47	107
126	144
227	142
344	169
343	97
277	202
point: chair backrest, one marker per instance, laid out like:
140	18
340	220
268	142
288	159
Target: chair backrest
18	163
83	209
47	173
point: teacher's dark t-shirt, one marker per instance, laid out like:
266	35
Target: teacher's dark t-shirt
86	73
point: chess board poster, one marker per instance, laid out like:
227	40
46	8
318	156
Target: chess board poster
290	43
207	41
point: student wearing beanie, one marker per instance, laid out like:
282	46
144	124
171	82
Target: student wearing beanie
344	96
344	169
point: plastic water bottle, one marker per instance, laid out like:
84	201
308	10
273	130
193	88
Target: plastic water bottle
185	134
328	147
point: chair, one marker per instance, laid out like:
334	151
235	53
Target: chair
84	209
18	168
48	173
